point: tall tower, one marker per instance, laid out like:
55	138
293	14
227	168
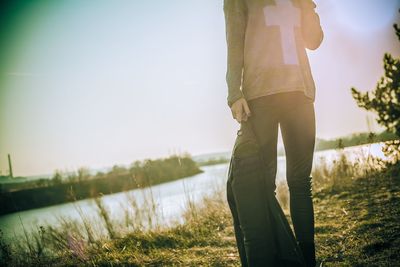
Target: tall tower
10	166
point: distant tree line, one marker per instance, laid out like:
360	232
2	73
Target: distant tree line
354	140
351	140
80	185
213	161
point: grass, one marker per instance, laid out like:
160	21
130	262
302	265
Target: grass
358	224
357	209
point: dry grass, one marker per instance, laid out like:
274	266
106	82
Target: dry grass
356	207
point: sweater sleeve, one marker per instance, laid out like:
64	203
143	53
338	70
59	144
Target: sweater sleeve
311	27
235	25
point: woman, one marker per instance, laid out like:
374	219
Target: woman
270	84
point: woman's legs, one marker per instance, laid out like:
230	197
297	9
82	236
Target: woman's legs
295	113
297	123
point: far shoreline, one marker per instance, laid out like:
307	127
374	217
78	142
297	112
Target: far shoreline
42	192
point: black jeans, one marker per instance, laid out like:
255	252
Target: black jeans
293	112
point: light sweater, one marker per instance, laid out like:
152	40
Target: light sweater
266	42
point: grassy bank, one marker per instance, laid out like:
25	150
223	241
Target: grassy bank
358	224
357	209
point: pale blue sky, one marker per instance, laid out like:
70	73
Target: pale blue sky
97	83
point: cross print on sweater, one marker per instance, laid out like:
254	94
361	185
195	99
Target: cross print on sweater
287	17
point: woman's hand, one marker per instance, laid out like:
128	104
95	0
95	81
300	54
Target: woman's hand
240	110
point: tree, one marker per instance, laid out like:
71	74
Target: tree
57	178
385	99
83	174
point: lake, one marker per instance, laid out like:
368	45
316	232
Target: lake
170	199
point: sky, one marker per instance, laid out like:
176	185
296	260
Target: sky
97	83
